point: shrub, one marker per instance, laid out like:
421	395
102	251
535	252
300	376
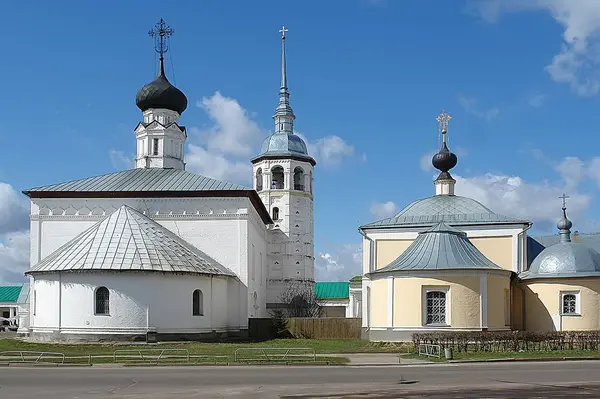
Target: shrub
511	341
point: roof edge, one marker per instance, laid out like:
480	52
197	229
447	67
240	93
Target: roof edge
298	157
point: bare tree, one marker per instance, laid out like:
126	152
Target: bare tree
299	300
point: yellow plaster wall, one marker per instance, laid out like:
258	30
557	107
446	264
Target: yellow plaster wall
517	316
464	300
379	303
497	249
388	250
497	286
542	303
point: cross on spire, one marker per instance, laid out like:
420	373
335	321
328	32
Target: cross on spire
282	31
564	200
161	32
443	120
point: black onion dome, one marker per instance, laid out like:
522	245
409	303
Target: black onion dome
444	160
160	93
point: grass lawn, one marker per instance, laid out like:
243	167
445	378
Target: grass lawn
225	351
511	355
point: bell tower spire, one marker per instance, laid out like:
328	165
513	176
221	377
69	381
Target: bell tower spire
284	115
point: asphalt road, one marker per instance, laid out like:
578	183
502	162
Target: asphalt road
490	380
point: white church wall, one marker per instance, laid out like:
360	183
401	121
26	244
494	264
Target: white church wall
223	228
138	302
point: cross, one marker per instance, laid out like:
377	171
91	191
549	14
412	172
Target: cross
161	33
443	120
564	198
282	31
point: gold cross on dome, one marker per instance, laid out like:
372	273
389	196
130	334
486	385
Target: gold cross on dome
564	199
282	31
443	120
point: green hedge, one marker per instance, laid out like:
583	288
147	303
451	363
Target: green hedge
511	341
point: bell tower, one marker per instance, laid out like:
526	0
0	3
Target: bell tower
283	175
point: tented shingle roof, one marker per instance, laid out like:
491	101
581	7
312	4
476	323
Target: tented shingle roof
129	241
440	248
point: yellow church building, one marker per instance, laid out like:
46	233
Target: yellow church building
448	263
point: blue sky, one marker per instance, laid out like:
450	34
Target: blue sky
367	79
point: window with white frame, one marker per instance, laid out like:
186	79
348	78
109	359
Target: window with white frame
569	303
436	307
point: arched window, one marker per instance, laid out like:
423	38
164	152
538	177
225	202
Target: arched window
310	182
259	179
277	178
298	179
435	307
275	213
197	305
102	301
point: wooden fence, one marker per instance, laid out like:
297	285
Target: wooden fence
325	328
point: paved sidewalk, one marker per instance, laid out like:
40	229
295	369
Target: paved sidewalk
377	359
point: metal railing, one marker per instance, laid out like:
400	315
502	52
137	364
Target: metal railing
430	350
152	355
275	354
32	357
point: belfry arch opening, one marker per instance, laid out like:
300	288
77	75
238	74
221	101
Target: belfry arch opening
277	178
259	180
299	179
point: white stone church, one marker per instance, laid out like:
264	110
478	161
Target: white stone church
162	251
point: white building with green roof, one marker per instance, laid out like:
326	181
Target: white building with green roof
160	250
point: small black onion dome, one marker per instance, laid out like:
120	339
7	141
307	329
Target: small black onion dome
564	223
160	93
444	160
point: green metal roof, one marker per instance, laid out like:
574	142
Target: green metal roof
10	293
332	290
142	179
451	209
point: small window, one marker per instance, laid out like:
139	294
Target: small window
570	303
102	301
154	146
275	213
197	305
259	179
435	307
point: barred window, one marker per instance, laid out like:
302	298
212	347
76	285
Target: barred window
197	305
569	304
435	307
102	301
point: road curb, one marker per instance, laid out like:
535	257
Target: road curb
528	359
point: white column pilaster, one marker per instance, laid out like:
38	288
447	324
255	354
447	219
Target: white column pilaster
483	300
390	308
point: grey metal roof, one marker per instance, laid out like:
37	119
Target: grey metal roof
440	248
142	179
129	241
565	259
452	209
24	294
284	144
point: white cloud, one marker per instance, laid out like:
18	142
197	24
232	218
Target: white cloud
340	264
217	165
513	196
537	101
14	257
120	161
470	105
329	151
381	210
425	161
579	58
234	132
14	210
14	235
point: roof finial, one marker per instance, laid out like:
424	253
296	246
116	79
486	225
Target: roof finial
283	30
564	224
443	120
161	32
